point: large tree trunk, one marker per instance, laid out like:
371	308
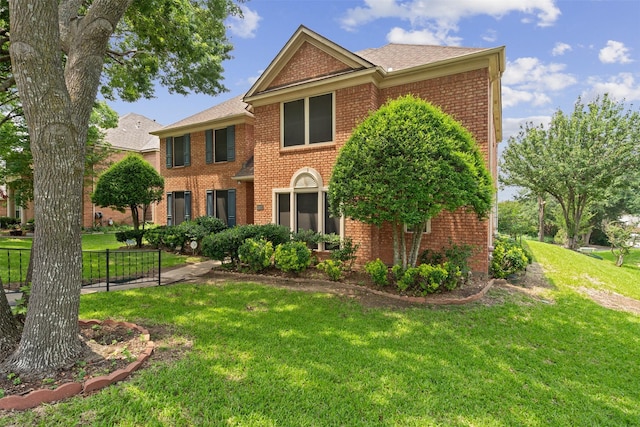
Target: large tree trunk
9	333
396	244
416	239
57	99
541	204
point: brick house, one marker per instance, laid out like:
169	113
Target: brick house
291	124
132	135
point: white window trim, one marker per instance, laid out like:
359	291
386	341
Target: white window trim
427	228
292	190
306	122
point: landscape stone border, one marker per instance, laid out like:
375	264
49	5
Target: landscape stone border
37	397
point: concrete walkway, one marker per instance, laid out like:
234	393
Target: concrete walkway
175	275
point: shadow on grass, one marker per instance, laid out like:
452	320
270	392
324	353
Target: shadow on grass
265	356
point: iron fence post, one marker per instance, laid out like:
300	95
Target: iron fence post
107	270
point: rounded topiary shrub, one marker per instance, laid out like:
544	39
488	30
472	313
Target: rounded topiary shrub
292	257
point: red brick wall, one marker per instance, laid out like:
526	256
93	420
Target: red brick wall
307	63
465	96
201	176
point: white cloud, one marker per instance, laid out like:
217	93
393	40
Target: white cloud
560	49
511	126
512	97
255	78
490	36
528	80
620	87
399	35
245	26
614	52
441	17
531	73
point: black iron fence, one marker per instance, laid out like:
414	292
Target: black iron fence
100	269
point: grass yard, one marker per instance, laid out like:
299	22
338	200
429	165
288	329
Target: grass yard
270	357
573	269
13	266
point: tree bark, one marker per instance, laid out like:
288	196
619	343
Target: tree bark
541	204
57	99
416	239
396	244
9	333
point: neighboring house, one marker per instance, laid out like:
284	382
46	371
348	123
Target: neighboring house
206	165
132	135
268	157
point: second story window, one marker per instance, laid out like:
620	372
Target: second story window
220	145
178	150
308	121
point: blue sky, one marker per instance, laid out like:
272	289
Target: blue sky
556	50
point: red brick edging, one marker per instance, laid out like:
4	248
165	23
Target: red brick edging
37	397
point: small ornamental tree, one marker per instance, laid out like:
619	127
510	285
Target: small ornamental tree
621	237
130	183
403	165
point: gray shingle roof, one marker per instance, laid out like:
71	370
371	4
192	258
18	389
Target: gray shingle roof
394	57
132	133
232	107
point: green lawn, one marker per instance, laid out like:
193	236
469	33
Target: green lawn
14	265
573	269
272	357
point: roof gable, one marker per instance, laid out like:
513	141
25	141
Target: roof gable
304	47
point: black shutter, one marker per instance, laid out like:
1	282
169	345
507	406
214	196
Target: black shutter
169	148
187	149
231	209
187	205
231	143
209	146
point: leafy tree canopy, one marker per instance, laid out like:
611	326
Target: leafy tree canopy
62	53
179	43
130	183
577	159
404	164
16	168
